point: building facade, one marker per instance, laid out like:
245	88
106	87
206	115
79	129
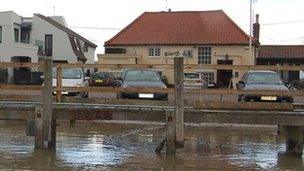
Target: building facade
29	39
291	55
200	37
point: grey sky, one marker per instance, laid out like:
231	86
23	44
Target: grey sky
119	13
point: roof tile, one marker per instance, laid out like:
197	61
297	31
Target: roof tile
184	27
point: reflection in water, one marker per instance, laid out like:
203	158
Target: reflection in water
127	146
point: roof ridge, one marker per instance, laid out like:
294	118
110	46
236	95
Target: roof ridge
183	11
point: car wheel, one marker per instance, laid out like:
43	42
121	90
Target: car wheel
241	98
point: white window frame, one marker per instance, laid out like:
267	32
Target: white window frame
154	52
204	54
209	77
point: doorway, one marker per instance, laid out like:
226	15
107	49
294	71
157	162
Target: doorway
224	76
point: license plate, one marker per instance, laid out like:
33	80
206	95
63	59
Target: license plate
145	96
98	81
269	98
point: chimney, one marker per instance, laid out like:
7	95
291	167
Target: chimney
256	28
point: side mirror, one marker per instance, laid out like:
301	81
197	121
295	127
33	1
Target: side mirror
240	85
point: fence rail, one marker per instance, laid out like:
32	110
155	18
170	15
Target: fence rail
159	66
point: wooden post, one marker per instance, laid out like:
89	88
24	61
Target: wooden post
170	133
59	85
294	139
179	99
49	139
39	142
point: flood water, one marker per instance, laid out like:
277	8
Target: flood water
116	146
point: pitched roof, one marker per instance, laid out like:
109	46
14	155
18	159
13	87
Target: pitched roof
184	27
281	51
65	29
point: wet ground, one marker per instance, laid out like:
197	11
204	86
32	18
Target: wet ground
116	146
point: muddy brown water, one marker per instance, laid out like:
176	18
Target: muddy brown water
129	146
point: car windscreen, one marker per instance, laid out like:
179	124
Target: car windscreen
69	73
141	75
263	78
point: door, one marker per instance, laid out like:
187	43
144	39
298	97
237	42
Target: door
224	76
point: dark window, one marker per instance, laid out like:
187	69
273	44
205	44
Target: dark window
25	36
48	45
204	55
16	34
0	34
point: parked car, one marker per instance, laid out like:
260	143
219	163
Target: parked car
146	78
103	79
194	80
72	77
263	80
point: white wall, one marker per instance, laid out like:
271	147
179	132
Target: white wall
10	48
62	49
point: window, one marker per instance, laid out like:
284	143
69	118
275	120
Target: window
16	34
204	55
48	45
154	52
0	34
209	77
25	36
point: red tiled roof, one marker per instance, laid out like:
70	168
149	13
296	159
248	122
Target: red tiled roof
184	27
281	51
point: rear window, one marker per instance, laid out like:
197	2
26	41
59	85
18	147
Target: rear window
142	75
69	73
100	75
191	76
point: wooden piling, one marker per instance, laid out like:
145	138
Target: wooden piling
170	133
39	142
44	120
294	139
179	99
59	84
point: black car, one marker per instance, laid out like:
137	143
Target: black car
103	79
146	78
263	80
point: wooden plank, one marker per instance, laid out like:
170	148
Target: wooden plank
179	99
160	90
59	85
216	105
159	66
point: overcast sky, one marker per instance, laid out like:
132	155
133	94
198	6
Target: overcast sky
282	20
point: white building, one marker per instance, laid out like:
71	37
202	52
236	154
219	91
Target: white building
28	39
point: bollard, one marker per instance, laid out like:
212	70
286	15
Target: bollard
39	142
170	133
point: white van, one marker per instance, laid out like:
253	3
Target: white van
72	77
